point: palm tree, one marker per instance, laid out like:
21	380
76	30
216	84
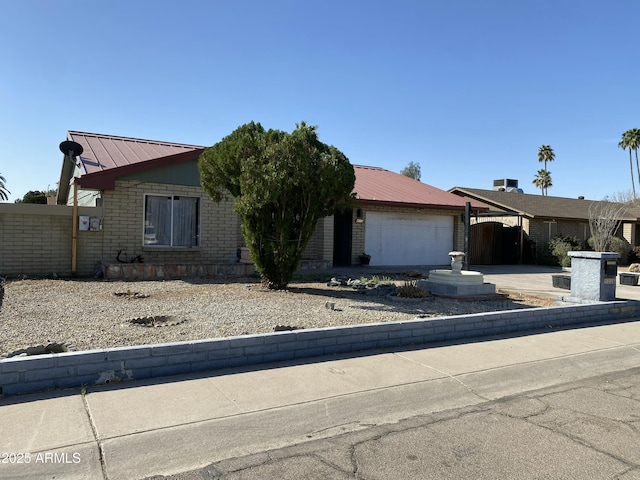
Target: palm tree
542	180
4	193
545	154
634	144
629	141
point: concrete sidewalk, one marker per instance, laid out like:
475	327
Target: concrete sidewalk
141	429
466	410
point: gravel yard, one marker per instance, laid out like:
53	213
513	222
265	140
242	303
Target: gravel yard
97	314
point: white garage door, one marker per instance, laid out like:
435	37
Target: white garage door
406	239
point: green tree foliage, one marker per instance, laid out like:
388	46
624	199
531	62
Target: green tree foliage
560	246
4	193
412	170
34	196
616	245
542	180
631	140
282	184
545	154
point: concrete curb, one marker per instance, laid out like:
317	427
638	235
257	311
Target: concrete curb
73	369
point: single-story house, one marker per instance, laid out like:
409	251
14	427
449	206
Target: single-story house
516	222
151	206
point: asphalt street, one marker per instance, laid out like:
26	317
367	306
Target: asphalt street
579	430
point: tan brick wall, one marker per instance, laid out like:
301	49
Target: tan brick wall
357	236
327	244
538	229
574	229
123	226
314	248
320	246
37	240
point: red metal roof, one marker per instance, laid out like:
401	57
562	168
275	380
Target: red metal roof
377	185
103	152
106	157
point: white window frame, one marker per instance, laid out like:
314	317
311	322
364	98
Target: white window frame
553	229
145	232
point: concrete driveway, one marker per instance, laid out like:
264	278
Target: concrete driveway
532	280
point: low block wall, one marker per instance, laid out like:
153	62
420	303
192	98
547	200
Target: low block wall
164	271
73	369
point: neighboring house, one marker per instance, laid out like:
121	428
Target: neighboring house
152	205
517	222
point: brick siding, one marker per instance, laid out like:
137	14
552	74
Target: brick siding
36	239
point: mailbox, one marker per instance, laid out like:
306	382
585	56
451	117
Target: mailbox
610	271
593	276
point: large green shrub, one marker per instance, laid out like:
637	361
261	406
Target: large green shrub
560	247
543	255
282	184
617	245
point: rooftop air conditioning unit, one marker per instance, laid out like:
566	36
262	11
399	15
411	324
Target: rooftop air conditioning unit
505	184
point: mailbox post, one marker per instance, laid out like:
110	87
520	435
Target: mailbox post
593	275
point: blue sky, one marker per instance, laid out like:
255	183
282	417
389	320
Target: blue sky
468	89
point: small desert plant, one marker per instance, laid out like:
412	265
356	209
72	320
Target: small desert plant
544	256
410	289
615	244
634	255
561	246
375	280
604	220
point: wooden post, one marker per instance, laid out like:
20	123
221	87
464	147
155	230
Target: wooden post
74	235
521	239
467	235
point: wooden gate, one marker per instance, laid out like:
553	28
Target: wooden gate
492	243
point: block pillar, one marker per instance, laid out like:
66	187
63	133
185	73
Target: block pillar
593	276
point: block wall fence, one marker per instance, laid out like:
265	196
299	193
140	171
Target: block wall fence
73	369
36	240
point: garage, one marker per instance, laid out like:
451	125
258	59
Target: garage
408	239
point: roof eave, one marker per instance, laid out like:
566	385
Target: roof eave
106	179
489	201
457	208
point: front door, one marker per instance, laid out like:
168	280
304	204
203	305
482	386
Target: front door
342	225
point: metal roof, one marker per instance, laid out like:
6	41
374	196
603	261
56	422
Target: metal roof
377	185
105	157
103	152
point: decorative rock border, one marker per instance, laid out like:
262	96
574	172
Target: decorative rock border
395	298
157	321
43	350
73	369
131	295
